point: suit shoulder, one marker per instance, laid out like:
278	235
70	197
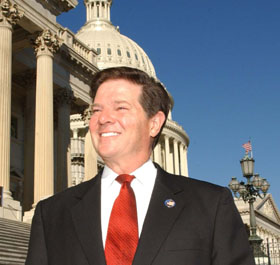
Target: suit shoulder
194	186
69	195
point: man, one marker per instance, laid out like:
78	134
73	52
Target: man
179	221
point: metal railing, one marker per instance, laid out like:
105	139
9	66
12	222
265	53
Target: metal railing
270	253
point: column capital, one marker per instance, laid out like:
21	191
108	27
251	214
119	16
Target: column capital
46	43
64	96
9	13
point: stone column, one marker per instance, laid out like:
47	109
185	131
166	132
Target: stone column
157	153
63	100
90	153
186	161
176	157
9	16
167	154
181	151
45	46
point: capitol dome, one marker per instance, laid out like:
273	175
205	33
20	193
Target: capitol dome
114	49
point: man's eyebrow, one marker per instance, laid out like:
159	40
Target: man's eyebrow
121	102
95	105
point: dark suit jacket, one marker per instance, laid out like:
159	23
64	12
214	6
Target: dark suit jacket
204	227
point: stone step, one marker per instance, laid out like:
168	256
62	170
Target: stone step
7	234
14	229
14	246
15	233
4	262
10	241
12	261
14	224
14	239
8	255
14	252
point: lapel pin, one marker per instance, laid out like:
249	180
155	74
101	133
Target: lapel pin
169	203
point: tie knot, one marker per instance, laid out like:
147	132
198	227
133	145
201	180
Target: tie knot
124	178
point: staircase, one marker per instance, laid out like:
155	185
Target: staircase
14	237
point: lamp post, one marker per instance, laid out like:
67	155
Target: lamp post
254	187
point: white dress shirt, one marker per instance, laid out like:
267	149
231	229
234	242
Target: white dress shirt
142	186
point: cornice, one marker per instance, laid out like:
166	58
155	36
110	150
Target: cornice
35	20
266	219
58	6
77	60
177	129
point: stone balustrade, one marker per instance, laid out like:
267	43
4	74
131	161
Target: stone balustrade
79	47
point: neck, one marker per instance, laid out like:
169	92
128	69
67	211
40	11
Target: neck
125	167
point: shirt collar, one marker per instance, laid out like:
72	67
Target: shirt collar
144	174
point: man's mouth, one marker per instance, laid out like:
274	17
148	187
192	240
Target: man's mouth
107	134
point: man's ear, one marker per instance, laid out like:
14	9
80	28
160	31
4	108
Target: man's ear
156	123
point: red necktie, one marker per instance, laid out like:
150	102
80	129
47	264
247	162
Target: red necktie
122	235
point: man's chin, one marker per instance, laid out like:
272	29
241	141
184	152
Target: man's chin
107	155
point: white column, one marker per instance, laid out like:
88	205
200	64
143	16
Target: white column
90	158
100	9
105	10
87	11
94	10
167	152
90	153
63	100
9	16
176	157
109	13
157	153
186	161
5	104
182	159
46	46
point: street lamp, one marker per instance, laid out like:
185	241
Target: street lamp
254	187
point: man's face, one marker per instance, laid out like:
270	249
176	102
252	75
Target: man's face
119	127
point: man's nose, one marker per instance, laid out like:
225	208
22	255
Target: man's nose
106	116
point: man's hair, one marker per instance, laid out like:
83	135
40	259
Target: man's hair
153	98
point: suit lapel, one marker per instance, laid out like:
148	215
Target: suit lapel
87	222
159	219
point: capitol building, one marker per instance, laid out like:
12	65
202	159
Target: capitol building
45	76
46	72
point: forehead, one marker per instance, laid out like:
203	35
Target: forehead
118	88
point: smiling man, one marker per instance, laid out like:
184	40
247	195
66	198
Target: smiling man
133	212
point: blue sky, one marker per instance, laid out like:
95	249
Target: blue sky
220	60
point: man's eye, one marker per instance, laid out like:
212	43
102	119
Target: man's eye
95	110
121	108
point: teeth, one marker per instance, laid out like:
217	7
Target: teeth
109	134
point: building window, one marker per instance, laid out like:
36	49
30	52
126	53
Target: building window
128	54
98	51
119	52
136	57
109	51
14	127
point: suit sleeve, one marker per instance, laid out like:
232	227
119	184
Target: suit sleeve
230	240
37	251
